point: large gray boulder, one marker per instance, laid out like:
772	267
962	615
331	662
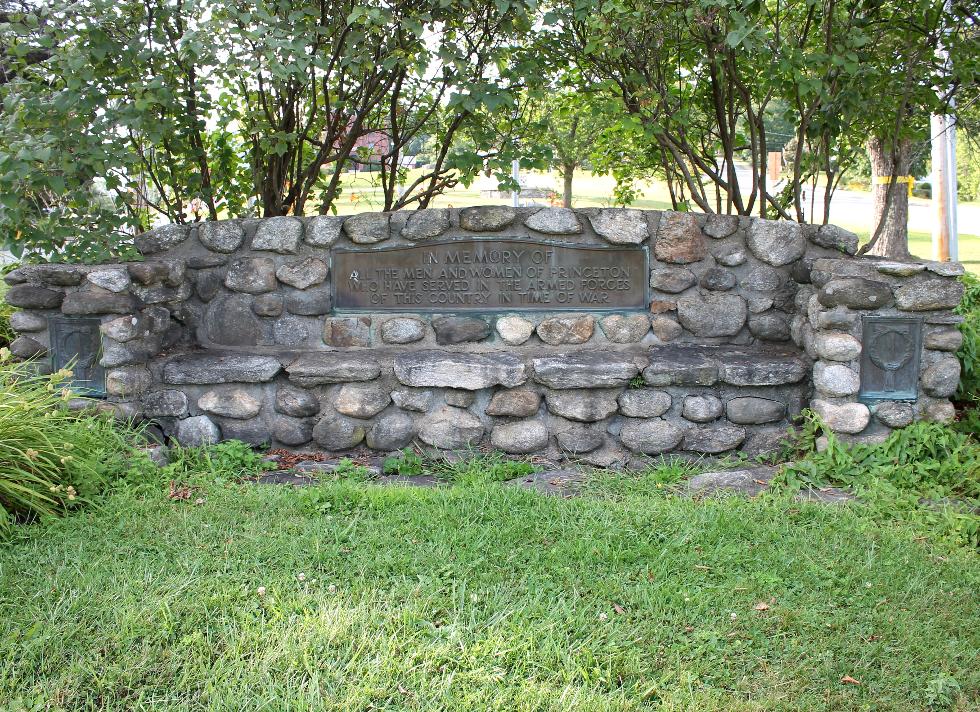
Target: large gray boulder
712	314
586	406
584	369
650	436
317	369
520	437
451	428
207	369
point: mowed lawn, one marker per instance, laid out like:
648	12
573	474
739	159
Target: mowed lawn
351	596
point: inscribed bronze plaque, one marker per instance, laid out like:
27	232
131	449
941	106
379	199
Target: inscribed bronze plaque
76	344
890	357
489	276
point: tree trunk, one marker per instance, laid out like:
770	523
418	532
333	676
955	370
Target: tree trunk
567	173
893	209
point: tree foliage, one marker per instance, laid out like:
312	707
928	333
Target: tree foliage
180	111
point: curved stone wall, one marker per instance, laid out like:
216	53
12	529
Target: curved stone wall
262	330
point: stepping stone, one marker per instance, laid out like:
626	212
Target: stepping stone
749	481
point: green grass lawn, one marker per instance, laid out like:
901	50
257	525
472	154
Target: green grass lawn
482	597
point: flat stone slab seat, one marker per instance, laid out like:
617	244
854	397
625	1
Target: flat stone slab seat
707	365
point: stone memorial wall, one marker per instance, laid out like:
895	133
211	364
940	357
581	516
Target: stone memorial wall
596	334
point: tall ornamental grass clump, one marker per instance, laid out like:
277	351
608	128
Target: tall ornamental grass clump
52	459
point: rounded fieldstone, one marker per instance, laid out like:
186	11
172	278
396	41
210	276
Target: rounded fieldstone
758	304
943	338
835	379
721	226
252	275
127	381
644	403
770	326
27	296
197	431
426	224
161	238
939	412
450	428
625	328
292	330
895	414
836	346
750	410
345	331
237	403
672	280
460	329
719	279
584	406
391	431
402	330
776	243
730	255
304	273
679	239
836	318
414	400
847	418
713	439
24	347
521	437
112	280
221	236
292	431
762	278
25	322
651	437
367	228
208	283
665	328
712	314
361	401
296	402
942	378
514	402
927	294
230	321
566	330
554	221
486	218
314	301
856	293
267	305
335	432
514	330
702	409
164	404
835	238
279	234
620	226
323	230
459	398
577	438
116	354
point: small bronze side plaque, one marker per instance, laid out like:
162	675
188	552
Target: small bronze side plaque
890	358
490	276
76	343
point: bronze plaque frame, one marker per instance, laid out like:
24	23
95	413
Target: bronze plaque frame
76	343
349	294
891	348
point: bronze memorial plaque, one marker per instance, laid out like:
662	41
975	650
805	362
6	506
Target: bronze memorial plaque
490	275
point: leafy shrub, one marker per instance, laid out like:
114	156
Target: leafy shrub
52	459
969	352
912	475
6	331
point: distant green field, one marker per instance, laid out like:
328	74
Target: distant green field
360	195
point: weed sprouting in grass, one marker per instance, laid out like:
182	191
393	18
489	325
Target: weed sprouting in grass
926	473
407	463
483	468
227	461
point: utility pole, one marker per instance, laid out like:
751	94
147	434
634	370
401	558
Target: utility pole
515	173
945	242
